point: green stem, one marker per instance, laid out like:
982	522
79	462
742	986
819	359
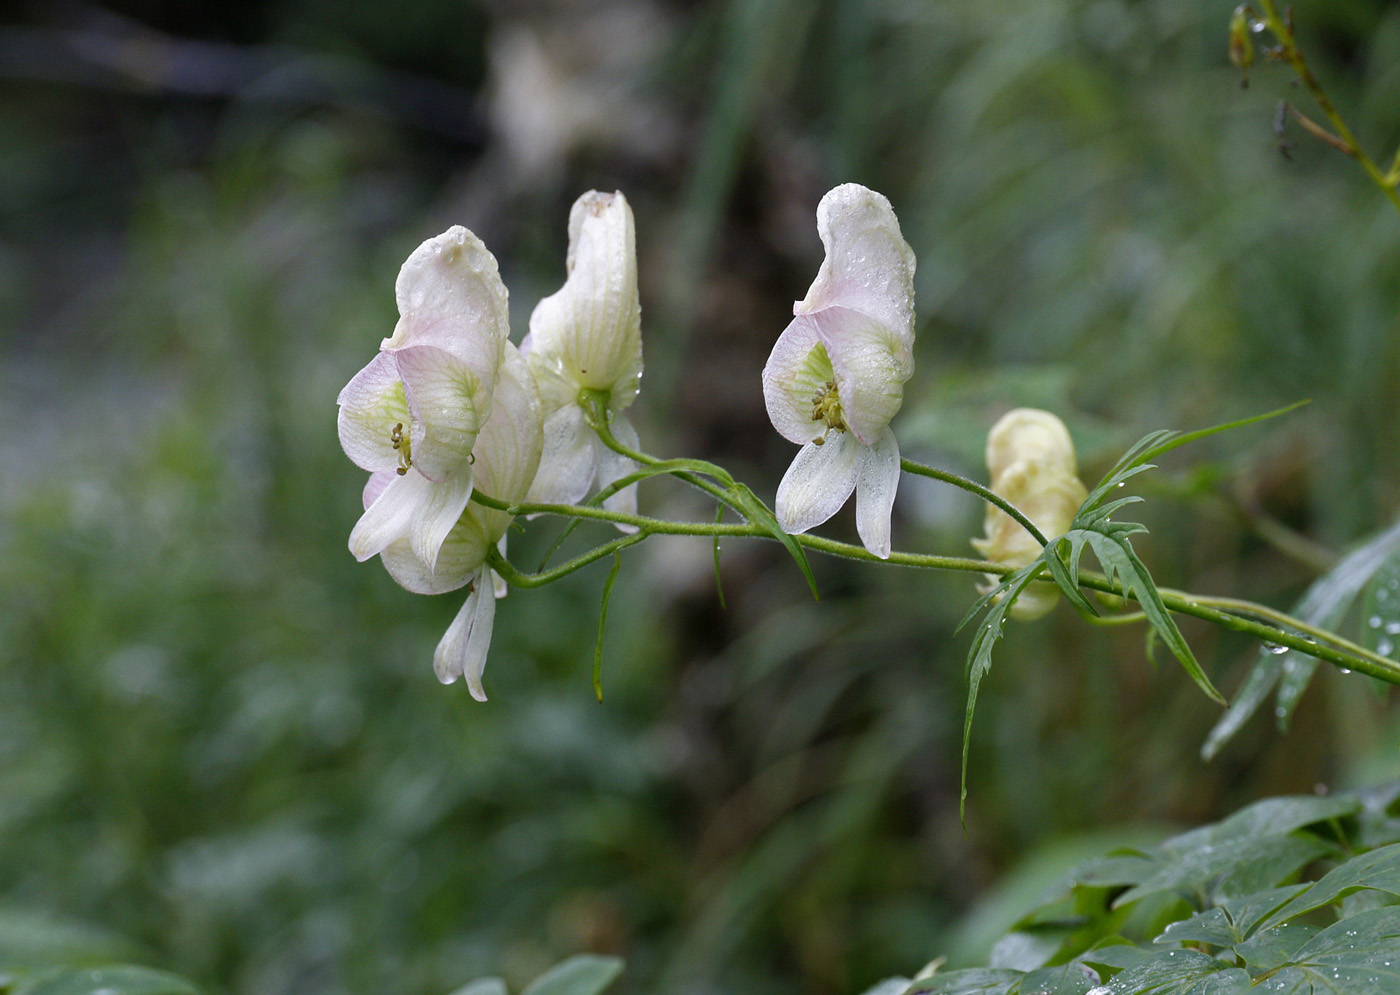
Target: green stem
1288	49
985	493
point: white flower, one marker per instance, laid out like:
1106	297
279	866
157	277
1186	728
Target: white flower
1031	458
507	455
588	336
836	374
414	412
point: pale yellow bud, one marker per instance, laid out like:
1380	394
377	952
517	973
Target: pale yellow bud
1031	458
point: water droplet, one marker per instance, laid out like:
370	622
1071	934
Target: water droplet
1275	648
1374	621
1384	647
1121	483
1344	670
1281	712
1392	628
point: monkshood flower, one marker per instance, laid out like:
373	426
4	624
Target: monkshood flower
507	456
414	412
836	375
1031	459
588	336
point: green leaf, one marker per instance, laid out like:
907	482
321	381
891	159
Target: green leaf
1324	604
1231	922
1271	948
757	512
602	623
118	979
1272	858
585	974
1116	556
1179	972
1067	979
980	656
483	986
890	986
1376	869
973	981
1359	955
1380	629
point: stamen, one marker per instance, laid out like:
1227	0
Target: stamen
404	445
826	407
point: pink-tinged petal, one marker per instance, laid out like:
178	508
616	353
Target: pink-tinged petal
614	466
371	404
591	327
375	486
438	514
462	651
459	558
450	287
819	481
448	401
871	367
875	489
792	378
389	517
869	267
567	461
509	446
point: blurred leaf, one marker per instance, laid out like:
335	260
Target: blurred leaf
1376	869
483	986
890	986
1380	629
973	981
1359	956
1067	979
1179	972
118	980
585	974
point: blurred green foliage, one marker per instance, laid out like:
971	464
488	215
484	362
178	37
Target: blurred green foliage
222	750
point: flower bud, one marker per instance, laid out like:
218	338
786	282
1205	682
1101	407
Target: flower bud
1241	48
1031	459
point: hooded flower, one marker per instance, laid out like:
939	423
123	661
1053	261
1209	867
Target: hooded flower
836	375
413	414
1031	459
587	336
507	455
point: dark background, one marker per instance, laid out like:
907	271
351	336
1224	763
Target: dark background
222	748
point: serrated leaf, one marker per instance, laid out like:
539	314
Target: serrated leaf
973	981
1066	578
1359	955
1324	604
1178	972
585	974
1025	950
1067	979
1272	857
1274	947
119	979
1377	869
1232	921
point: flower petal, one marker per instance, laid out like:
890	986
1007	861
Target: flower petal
460	556
819	481
875	488
449	401
450	291
438	513
796	372
509	446
869	267
462	651
614	466
371	404
389	517
871	366
567	461
590	330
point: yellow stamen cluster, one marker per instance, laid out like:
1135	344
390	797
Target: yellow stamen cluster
826	407
404	445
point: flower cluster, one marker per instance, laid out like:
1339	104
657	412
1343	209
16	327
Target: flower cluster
448	405
1031	459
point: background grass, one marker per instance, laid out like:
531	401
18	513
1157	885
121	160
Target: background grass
222	749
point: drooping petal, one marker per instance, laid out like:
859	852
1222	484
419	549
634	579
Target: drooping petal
371	404
459	558
567	461
590	330
462	651
438	512
796	372
871	366
614	466
819	481
449	401
389	517
875	489
450	288
869	267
